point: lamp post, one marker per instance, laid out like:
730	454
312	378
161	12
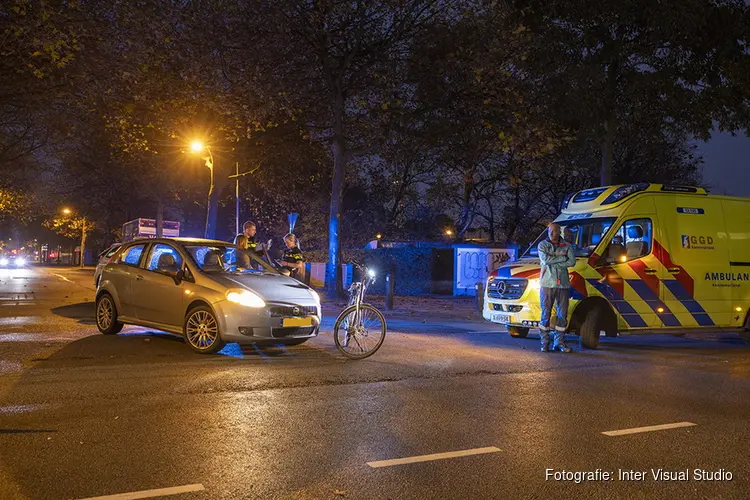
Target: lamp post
199	147
67	211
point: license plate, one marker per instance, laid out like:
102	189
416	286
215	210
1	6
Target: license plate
297	321
501	318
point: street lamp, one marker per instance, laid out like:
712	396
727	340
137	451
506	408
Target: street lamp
67	211
199	147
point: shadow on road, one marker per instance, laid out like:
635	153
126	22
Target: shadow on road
84	312
136	345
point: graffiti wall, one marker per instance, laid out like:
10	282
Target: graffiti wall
473	264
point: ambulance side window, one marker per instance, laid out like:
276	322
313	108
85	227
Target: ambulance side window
632	240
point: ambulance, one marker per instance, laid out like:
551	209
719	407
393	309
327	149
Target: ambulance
650	258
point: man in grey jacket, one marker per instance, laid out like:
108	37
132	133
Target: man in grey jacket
555	256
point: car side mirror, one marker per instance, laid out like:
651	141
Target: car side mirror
175	273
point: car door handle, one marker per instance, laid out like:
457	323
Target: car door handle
138	277
649	271
673	270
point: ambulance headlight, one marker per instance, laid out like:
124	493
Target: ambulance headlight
534	283
20	262
3	262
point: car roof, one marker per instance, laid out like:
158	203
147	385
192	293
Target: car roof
184	241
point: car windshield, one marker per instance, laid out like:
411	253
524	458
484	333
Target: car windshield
584	234
223	259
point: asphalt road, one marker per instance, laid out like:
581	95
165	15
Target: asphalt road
84	415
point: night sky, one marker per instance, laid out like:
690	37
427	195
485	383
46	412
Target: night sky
727	163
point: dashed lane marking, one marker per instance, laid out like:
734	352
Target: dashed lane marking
163	492
434	456
650	428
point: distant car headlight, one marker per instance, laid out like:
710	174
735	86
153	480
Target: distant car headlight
245	298
371	272
20	262
3	262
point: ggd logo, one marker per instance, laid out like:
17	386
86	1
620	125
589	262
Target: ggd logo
691	241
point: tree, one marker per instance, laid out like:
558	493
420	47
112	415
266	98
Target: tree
684	64
72	227
483	115
331	65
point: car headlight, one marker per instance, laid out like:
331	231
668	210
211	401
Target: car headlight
245	298
20	262
534	283
3	262
371	272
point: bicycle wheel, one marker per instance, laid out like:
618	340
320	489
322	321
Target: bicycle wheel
359	339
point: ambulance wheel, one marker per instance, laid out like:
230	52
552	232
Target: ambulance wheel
745	332
518	332
593	325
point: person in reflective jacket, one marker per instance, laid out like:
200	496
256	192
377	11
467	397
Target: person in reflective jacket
249	230
555	256
293	260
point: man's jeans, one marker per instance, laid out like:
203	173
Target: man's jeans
559	298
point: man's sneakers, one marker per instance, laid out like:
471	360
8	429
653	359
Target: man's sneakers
545	346
562	347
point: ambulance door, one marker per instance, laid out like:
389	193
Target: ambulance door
695	261
633	265
737	214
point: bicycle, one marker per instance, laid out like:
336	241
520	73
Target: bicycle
360	328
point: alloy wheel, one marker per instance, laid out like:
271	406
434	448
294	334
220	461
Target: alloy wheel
104	313
202	330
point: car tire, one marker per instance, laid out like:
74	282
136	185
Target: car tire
518	332
106	315
201	330
593	324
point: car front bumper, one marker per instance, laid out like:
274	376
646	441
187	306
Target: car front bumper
277	322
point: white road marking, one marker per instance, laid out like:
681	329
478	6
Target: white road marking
64	278
434	456
188	488
650	428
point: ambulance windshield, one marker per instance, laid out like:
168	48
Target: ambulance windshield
584	234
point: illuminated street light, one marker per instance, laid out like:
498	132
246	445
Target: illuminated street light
68	211
448	232
199	147
378	236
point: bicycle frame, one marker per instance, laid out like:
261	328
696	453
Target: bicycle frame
357	291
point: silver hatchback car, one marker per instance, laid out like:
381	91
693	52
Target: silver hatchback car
194	288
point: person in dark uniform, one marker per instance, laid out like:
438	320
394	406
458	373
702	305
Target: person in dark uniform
293	260
249	230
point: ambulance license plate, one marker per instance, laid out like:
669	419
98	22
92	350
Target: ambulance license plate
297	322
501	318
